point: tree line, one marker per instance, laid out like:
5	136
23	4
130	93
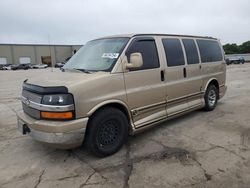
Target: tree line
237	49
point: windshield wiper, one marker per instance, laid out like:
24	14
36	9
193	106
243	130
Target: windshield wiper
75	69
83	70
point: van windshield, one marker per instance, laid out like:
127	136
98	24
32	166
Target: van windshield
97	55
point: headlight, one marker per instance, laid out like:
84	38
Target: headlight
61	107
58	99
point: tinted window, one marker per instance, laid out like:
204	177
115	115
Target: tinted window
149	53
210	51
173	52
191	51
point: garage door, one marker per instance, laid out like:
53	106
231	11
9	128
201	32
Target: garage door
24	60
3	60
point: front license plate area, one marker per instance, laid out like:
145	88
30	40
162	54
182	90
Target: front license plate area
22	127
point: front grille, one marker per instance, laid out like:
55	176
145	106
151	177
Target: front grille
34	98
31	111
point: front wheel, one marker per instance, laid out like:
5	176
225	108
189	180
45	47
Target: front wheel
107	132
211	97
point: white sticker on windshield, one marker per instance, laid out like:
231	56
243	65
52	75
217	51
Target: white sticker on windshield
110	55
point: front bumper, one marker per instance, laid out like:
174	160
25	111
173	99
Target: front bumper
59	134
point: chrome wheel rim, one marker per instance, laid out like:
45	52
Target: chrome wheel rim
211	98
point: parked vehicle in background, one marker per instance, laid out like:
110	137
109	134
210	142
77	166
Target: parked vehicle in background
39	66
59	64
2	65
20	66
32	65
120	85
7	67
235	60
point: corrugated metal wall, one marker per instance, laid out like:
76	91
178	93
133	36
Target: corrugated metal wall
58	53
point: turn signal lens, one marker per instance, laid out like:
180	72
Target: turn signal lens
57	115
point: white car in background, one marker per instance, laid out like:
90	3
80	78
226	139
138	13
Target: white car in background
39	66
235	60
7	67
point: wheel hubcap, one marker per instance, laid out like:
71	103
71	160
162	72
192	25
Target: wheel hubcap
211	98
108	133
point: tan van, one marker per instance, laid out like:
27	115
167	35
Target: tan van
120	85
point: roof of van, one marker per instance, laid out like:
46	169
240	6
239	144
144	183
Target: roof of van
157	34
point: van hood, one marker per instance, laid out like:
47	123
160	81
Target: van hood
67	78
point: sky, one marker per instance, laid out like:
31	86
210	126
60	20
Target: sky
78	21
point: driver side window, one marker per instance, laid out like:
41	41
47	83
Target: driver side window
147	48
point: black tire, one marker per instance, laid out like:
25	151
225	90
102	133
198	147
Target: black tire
107	131
211	97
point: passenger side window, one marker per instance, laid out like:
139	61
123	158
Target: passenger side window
173	52
147	48
191	51
210	51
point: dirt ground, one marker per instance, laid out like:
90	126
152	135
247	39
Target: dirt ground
200	149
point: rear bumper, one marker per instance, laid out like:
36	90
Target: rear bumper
222	90
59	134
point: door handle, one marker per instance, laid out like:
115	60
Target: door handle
162	75
184	72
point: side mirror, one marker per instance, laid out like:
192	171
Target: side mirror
136	61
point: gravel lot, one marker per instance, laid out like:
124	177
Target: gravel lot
200	149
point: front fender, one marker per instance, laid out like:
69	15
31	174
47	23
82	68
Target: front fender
107	102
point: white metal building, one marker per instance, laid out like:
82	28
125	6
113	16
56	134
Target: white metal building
35	54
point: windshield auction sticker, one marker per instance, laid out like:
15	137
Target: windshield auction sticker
110	55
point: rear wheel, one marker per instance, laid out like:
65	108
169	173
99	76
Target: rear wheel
211	97
107	132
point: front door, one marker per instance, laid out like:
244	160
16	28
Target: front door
146	92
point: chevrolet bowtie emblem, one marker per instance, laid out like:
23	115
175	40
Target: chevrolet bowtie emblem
27	102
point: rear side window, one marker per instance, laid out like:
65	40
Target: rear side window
210	51
191	51
174	53
149	53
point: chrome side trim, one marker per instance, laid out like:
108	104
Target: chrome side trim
160	120
150	122
137	111
44	107
184	97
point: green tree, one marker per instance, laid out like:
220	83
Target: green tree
245	47
231	48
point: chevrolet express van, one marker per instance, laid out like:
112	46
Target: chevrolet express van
120	85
